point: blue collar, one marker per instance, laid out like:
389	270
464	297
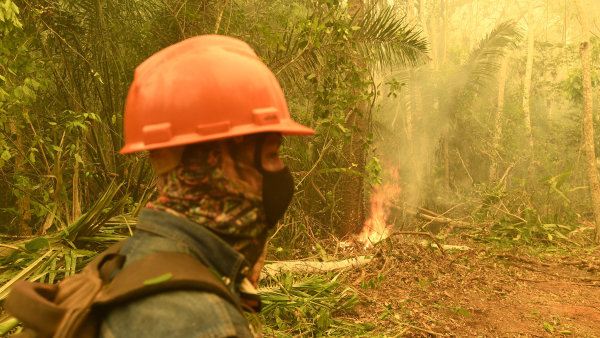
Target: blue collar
203	243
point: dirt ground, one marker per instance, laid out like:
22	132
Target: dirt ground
412	290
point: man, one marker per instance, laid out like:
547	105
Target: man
212	115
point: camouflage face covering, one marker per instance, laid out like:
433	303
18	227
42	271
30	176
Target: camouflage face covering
199	190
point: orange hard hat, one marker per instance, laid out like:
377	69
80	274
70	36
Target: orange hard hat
204	88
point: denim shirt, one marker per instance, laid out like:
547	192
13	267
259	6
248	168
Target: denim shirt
182	313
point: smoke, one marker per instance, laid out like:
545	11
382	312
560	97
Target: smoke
410	124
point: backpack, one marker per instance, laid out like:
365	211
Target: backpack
74	306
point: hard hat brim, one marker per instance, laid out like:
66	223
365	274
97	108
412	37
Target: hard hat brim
285	127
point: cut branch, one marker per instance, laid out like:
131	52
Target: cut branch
428	234
279	268
441	219
431	216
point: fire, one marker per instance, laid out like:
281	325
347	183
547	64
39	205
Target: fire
376	228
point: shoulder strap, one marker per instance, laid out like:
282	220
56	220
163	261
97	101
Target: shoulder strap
106	262
43	308
56	310
161	272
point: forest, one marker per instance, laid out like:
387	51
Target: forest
451	188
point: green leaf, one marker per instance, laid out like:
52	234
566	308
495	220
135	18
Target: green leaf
287	281
3	95
27	91
6	155
463	312
4	289
98	77
159	279
323	319
18	92
10	323
36	244
68	261
548	327
52	272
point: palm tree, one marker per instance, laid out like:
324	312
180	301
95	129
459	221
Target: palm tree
355	42
447	96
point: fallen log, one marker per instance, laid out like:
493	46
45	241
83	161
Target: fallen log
449	247
278	268
428	234
442	219
431	216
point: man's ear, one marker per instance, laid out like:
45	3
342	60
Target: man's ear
165	160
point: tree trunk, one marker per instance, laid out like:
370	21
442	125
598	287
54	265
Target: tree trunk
76	212
409	123
527	86
24	202
550	107
422	18
433	39
499	118
588	117
476	25
564	35
444	33
415	161
446	154
353	194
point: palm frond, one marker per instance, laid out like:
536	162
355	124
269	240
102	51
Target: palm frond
89	223
484	61
24	273
380	37
384	37
300	51
320	299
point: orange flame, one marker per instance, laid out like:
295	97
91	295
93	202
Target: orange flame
376	228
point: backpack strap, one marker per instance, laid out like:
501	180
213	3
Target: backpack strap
69	308
43	307
106	262
32	304
161	272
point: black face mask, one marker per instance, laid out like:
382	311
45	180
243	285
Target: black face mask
277	187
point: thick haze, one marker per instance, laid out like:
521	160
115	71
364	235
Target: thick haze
439	130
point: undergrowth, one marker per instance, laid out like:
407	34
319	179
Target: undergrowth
314	305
